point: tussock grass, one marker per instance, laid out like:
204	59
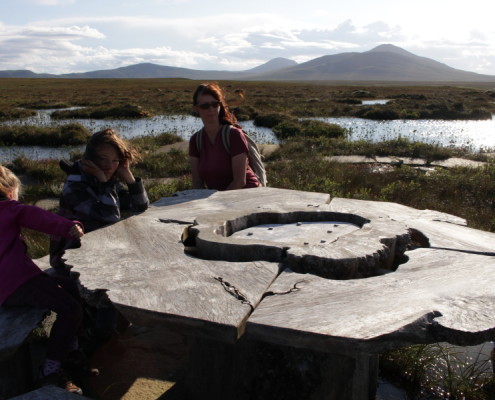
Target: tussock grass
440	371
66	135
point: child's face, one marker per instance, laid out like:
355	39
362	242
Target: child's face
107	159
14	194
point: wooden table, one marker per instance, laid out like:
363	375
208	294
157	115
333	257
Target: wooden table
251	314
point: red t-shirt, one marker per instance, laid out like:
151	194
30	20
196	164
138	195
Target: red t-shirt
215	163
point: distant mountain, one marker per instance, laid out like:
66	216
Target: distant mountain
148	70
383	63
272	65
24	73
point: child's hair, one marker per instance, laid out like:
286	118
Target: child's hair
8	181
109	136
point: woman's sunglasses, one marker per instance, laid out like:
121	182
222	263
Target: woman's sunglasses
212	104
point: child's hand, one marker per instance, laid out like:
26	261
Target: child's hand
91	168
124	172
76	231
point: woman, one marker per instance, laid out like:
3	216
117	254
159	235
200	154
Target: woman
212	165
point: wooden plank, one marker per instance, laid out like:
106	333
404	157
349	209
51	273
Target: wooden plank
50	393
142	264
16	323
438	295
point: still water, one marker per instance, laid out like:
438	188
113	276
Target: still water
180	125
474	135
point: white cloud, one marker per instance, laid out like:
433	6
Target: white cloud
52	2
234	41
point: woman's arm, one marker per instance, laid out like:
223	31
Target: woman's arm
197	182
239	165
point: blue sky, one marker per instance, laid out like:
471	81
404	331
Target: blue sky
61	36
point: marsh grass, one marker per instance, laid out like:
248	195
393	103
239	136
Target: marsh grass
24	135
9	113
158	165
440	371
296	99
149	143
37	243
308	128
119	111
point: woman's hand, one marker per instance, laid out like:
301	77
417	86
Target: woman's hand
91	168
76	231
124	172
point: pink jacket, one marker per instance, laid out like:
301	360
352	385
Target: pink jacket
15	266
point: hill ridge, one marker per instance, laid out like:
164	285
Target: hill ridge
385	62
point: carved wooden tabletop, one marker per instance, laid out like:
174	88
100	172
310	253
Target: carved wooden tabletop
439	293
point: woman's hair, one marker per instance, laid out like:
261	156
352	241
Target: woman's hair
8	181
108	136
213	89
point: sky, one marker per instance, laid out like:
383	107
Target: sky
64	36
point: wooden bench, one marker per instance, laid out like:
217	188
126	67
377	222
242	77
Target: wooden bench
250	319
16	362
50	393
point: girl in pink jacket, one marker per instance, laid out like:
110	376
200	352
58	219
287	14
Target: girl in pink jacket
22	282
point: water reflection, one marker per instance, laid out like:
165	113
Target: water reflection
474	135
373	102
180	125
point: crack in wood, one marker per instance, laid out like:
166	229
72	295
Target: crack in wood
233	291
291	290
174	221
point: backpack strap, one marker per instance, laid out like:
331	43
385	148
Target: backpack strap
199	139
226	137
254	157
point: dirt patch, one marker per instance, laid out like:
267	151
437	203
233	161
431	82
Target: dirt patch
146	370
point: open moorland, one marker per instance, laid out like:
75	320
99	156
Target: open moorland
173	96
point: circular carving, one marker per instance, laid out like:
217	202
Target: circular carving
329	244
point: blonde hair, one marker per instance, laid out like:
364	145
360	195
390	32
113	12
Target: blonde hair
8	182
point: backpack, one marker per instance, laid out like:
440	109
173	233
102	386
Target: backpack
254	156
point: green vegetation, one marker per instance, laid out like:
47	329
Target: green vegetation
440	371
150	143
122	111
9	113
67	135
157	165
106	97
308	128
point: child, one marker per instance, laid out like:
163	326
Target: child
95	193
92	192
22	282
